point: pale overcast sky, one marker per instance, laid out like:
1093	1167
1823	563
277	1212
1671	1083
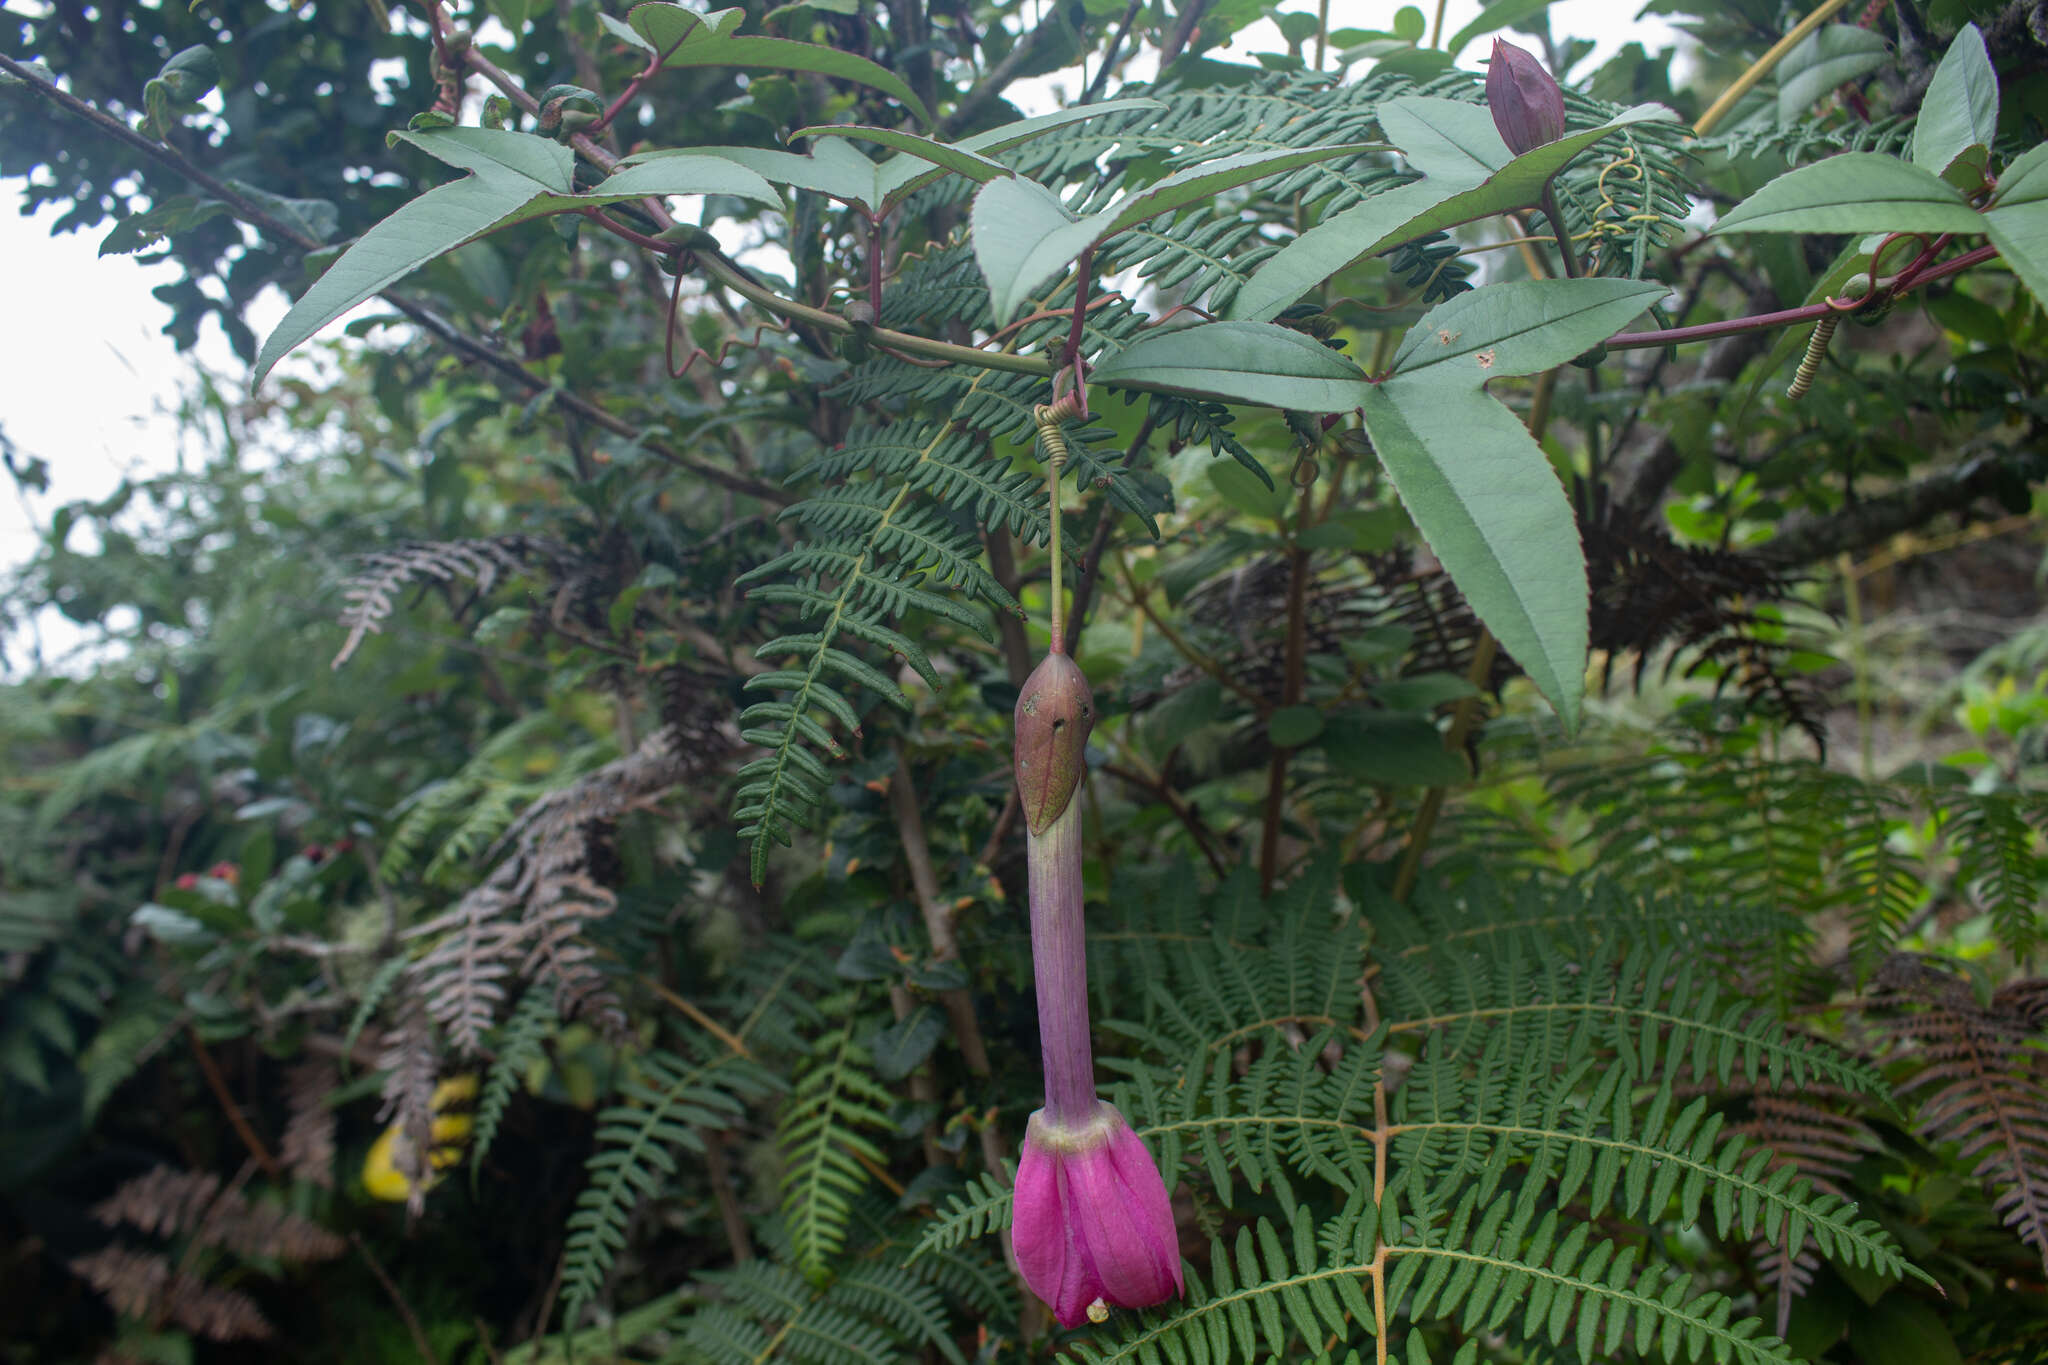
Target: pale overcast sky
89	383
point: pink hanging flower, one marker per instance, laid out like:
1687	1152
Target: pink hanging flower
1090	1221
1092	1227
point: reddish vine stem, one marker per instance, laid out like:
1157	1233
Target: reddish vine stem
633	87
1084	276
1788	317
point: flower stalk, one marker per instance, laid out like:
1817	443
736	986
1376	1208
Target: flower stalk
1091	1223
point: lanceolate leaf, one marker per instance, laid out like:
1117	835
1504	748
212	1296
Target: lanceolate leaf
1494	17
515	177
1468	173
1024	236
1854	192
692	39
1520	327
2018	219
1960	110
1240	362
1826	58
1484	496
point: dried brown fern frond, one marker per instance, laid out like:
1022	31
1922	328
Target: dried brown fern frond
411	1062
307	1148
171	1203
478	562
1821	1133
143	1285
1710	610
1982	1082
528	915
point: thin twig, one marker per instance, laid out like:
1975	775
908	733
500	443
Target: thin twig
938	916
218	1084
412	1322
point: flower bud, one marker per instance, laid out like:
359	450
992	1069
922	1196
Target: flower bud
1091	1224
1055	711
1526	104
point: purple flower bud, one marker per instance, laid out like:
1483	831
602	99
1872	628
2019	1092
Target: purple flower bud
1092	1227
1526	104
1055	711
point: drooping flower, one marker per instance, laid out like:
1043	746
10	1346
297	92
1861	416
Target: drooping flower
1091	1223
1525	102
1092	1226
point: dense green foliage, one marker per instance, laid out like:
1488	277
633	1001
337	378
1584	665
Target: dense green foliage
526	864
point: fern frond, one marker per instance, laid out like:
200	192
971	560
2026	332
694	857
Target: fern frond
1291	1108
1484	1263
1586	1136
307	1147
144	1285
980	1209
1983	1084
667	1106
384	573
822	1135
519	1043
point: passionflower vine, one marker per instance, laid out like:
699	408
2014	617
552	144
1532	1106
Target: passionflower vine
1526	104
1090	1221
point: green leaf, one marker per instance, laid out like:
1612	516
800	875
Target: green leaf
1025	237
690	40
924	158
1247	492
1499	15
1468	174
1829	56
1484	496
1293	726
1198	184
1854	192
1391	750
1900	1330
1960	110
623	31
516	177
662	26
2018	219
902	1046
435	223
1522	326
831	168
1241	362
486	151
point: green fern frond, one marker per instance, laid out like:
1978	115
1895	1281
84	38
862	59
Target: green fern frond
1653	1011
980	1209
667	1107
1272	1285
1997	842
1484	1264
823	1138
519	1043
1290	1109
1585	1135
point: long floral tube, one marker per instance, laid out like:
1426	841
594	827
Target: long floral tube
1091	1223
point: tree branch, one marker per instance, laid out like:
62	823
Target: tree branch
1871	521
